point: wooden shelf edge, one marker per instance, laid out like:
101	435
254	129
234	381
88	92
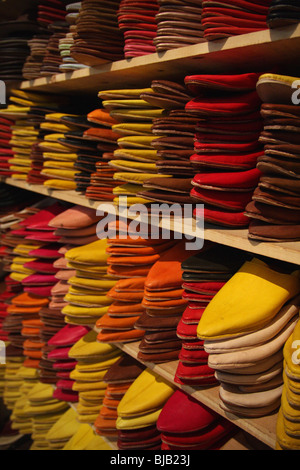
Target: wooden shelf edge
235	238
263	429
112	73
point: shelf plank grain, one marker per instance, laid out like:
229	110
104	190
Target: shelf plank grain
236	238
261	51
263	429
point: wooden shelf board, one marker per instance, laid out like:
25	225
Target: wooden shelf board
260	51
289	251
263	429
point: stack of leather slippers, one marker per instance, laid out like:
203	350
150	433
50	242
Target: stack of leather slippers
85	439
174	144
138	24
27	111
233	17
101	180
33	64
6	153
52	59
59	346
227	148
44	412
44	59
12	382
93	362
60	151
274	211
119	377
14	37
89	302
178	24
287	430
246	352
68	63
98	39
164	305
134	160
139	411
77	227
23	308
36	277
129	261
91	142
204	274
23	135
98	142
52	16
283	13
50	11
21	423
185	423
63	430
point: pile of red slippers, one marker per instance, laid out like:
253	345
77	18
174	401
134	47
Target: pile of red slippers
233	17
137	20
226	145
186	424
6	153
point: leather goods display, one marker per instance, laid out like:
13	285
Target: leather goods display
85	439
44	53
273	211
277	288
63	430
226	147
129	262
34	61
97	38
16	31
22	134
28	110
93	362
60	165
138	25
247	357
118	378
185	423
58	353
287	429
68	63
86	304
143	402
231	18
102	182
52	58
42	411
283	13
163	306
6	153
203	275
173	142
133	162
178	24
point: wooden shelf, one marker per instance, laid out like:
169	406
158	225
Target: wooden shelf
263	429
263	51
288	252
